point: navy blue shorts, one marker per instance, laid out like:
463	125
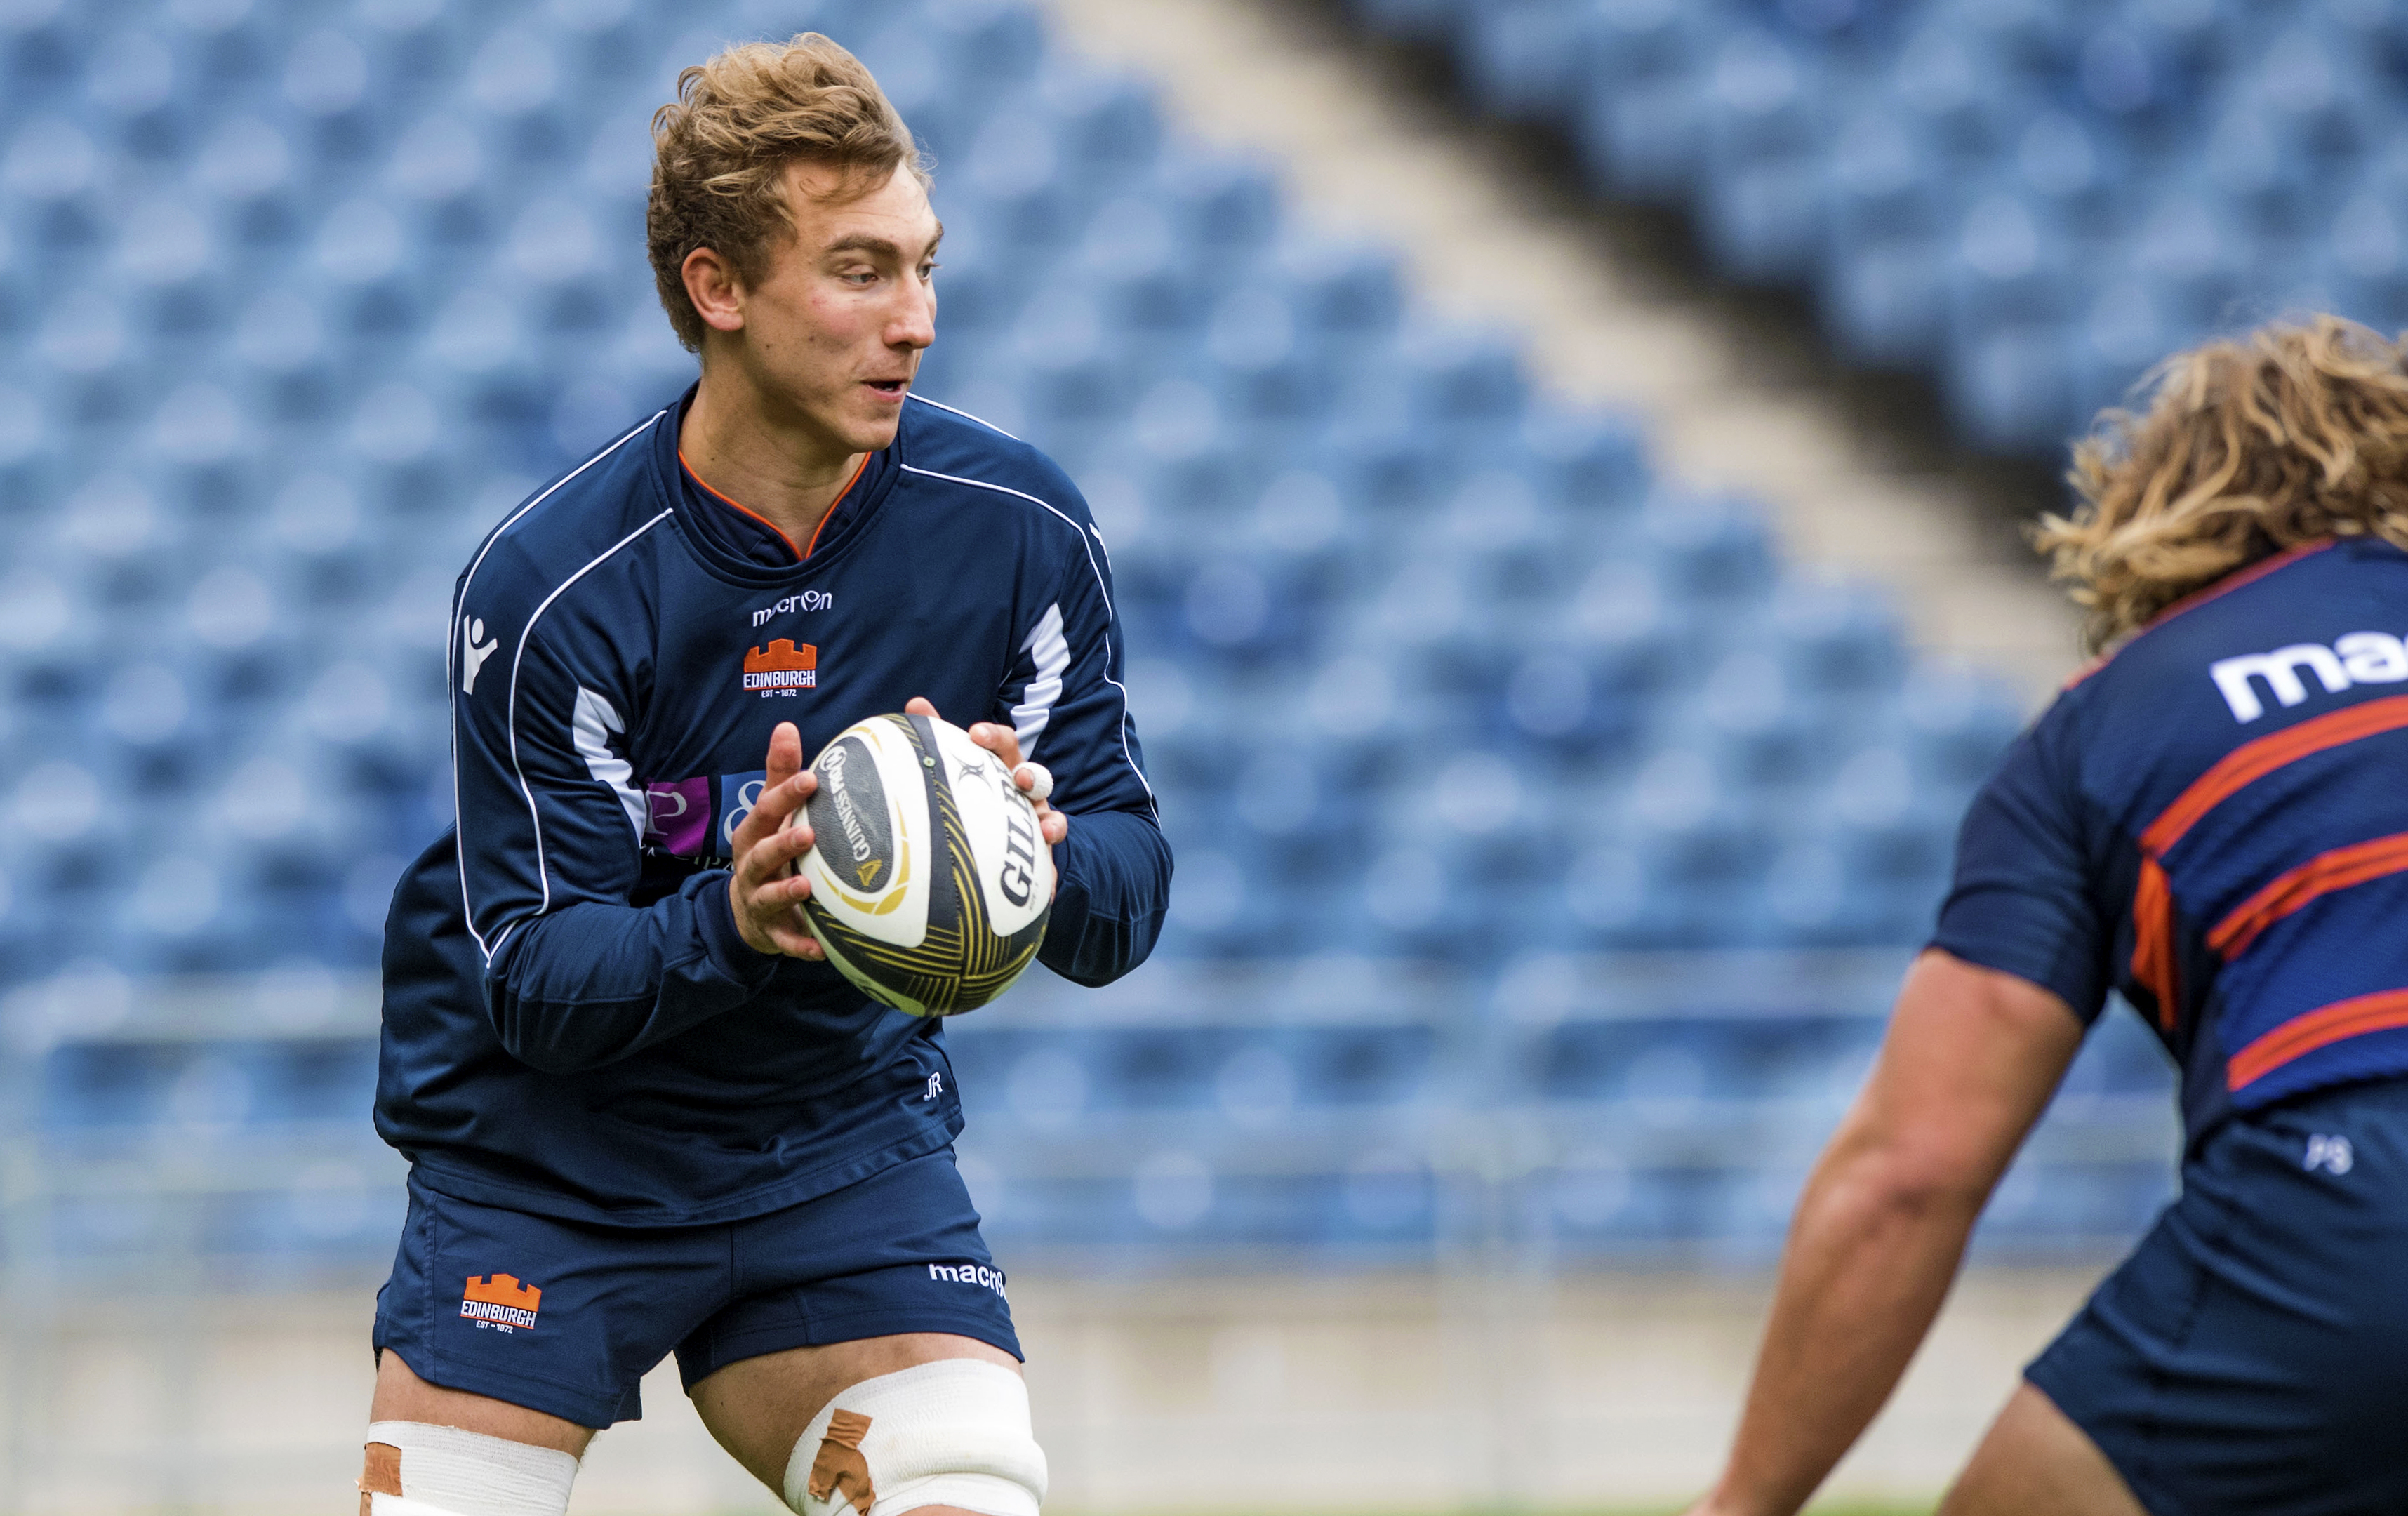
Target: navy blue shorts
567	1317
2252	1356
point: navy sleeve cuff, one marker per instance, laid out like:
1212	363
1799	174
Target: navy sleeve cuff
714	922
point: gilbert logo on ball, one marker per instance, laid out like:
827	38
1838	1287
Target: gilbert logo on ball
930	882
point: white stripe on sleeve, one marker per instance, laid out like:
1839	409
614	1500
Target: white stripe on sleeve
1051	651
590	728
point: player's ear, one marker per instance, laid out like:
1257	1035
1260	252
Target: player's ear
712	285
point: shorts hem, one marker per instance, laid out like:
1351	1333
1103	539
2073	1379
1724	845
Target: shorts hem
527	1390
854	1327
2156	1501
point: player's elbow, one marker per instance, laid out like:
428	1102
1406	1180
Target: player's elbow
524	1039
1912	1176
535	1033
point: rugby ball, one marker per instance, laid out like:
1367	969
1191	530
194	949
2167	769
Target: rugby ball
930	882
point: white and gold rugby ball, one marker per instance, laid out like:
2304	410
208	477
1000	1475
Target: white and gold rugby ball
930	882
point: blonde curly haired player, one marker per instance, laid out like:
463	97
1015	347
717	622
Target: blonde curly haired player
2209	821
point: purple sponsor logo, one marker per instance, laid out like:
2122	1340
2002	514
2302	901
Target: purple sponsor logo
681	815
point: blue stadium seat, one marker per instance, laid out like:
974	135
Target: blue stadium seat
511	90
1709	548
1106	125
1956	91
1885	294
2076	174
1955	726
1754	724
2012	387
1523	57
1142	271
1462	381
1838	639
994	44
1763	198
1270	377
1347	293
1233	907
1592	465
1224	210
1361	1065
1640	128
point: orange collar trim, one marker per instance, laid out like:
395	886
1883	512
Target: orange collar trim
805	551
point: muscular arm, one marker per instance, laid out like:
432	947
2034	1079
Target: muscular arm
1969	1064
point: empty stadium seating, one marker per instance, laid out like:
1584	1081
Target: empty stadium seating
1441	684
2032	199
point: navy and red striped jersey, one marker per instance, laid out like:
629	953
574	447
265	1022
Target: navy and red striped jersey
2214	821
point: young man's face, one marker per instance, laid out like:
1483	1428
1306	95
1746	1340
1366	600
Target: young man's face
833	331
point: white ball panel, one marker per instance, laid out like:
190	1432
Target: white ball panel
1015	868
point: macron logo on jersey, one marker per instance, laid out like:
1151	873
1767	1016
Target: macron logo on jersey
2359	658
807	600
472	657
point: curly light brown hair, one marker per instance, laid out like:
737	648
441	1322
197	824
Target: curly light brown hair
722	148
2249	446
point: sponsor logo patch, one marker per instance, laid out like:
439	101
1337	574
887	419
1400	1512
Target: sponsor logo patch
475	647
679	815
976	1275
782	667
2359	658
807	600
499	1302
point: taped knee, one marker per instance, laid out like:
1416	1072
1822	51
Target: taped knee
950	1433
414	1469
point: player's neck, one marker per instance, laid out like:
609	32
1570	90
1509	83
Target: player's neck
779	468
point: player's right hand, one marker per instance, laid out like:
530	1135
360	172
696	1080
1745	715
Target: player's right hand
765	892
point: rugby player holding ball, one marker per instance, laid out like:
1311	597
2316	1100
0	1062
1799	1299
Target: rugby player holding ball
643	1114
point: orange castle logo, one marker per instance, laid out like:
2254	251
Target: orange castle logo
781	666
499	1300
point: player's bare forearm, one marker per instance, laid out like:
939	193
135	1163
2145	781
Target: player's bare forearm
1868	1261
1969	1063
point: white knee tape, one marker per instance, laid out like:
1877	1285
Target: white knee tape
444	1471
950	1433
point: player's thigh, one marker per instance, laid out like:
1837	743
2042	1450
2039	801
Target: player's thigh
401	1395
759	1408
2035	1461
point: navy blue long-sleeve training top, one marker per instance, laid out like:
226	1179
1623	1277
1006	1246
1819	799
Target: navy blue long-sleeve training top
572	1023
2213	822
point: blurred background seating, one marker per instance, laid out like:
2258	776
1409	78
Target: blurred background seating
2031	200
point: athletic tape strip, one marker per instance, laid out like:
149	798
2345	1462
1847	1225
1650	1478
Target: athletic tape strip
950	1433
415	1468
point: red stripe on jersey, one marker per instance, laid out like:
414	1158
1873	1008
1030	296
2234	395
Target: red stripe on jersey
2154	963
2304	1035
2319	875
2154	924
2247	765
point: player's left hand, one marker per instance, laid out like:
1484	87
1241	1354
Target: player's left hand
1004	743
